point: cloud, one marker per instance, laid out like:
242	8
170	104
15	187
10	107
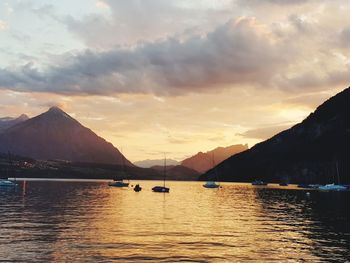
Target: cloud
240	51
297	52
3	25
264	132
130	22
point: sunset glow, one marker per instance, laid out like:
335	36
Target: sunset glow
172	76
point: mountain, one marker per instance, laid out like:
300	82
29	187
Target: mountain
8	122
177	172
202	162
306	153
56	135
149	163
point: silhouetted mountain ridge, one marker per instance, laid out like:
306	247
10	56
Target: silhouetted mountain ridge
307	152
148	163
177	172
202	162
56	135
8	122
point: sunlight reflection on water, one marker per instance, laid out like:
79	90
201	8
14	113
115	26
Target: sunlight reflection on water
91	222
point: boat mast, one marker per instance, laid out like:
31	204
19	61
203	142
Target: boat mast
164	174
336	165
215	171
11	166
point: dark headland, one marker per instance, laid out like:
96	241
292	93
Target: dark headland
306	153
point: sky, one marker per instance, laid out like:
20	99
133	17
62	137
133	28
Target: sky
155	76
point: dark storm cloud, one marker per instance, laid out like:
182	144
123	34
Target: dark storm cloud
237	52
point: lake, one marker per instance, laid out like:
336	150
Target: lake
67	221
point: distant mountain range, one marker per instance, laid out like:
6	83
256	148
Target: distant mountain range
8	122
177	172
56	135
202	162
305	153
149	163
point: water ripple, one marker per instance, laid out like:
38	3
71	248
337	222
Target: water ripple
90	222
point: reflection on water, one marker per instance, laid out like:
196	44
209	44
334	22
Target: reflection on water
88	221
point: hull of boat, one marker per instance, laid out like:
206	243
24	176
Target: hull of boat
160	189
137	188
211	185
7	183
333	187
118	184
259	183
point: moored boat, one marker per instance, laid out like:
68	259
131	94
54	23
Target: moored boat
211	184
259	182
119	183
333	187
162	189
137	188
7	183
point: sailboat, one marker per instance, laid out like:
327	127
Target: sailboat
162	189
334	187
4	181
119	182
212	184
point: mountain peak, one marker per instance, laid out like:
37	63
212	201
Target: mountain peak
203	161
56	113
55	109
23	117
56	135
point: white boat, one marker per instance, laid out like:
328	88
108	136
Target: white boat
119	182
7	183
333	187
212	184
4	181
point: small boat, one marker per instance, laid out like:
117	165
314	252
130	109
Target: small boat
137	188
162	189
4	181
7	183
333	187
211	184
258	182
119	183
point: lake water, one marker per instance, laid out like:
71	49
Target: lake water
90	222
